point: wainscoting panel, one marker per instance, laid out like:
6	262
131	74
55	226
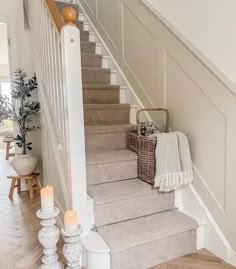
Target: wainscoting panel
164	71
92	5
139	40
206	126
108	19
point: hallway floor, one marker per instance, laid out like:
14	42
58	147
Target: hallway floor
19	227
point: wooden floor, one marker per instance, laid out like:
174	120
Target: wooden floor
201	260
19	247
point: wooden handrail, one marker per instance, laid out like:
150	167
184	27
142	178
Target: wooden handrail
54	14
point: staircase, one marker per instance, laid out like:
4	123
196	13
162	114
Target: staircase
141	226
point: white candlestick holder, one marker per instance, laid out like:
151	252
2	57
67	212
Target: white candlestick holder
72	249
48	237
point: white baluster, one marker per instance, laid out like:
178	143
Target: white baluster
48	237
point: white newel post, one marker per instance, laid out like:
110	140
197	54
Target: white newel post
72	80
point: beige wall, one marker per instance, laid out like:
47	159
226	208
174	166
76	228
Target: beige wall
165	73
209	25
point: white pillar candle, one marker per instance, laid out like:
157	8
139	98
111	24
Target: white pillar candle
70	219
47	199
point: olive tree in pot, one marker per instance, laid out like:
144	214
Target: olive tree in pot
24	113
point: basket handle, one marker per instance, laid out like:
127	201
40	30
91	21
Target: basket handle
152	109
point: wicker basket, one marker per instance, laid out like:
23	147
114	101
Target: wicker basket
145	147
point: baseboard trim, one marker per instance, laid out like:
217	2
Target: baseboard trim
233	258
212	238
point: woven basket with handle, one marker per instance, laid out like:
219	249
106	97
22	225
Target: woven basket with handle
145	147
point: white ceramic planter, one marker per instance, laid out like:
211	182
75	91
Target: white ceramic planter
24	165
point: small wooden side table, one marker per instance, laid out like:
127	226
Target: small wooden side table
8	141
32	183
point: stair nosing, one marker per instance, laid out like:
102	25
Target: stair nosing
125	128
132	157
122	198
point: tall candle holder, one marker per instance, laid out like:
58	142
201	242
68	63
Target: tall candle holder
72	249
48	237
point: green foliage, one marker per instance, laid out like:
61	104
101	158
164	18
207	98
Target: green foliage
27	110
6	112
23	112
148	128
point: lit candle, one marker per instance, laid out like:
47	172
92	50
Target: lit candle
70	219
47	200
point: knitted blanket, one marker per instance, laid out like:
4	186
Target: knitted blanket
173	161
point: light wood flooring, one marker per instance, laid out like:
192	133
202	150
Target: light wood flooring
201	260
19	247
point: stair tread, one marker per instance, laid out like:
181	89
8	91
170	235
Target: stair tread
88	42
88	68
91	54
102	129
107	106
110	156
119	190
101	87
136	232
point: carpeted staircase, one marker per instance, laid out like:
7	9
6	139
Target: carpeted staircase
141	226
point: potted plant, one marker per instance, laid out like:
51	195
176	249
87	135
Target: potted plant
23	114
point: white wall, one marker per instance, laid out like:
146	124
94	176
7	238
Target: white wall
4	65
12	13
209	25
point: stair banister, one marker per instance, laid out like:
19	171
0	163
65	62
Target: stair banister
57	61
71	54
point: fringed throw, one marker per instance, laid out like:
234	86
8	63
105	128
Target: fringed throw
173	161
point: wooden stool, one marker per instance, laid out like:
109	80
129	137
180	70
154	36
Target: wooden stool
8	141
16	183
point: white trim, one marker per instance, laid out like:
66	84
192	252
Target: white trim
190	203
97	252
233	258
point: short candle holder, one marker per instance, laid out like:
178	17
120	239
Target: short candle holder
48	237
72	249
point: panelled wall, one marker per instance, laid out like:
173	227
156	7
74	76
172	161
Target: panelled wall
164	72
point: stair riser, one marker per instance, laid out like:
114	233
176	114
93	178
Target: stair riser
88	47
106	116
157	252
101	96
80	25
103	142
91	61
110	172
96	76
84	36
125	209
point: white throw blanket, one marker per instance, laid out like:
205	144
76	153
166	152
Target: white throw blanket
173	161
